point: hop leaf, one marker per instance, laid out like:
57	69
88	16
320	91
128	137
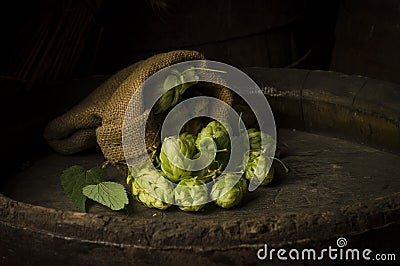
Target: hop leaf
228	191
151	188
191	194
110	194
75	178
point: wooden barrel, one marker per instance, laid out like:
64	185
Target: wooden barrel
343	139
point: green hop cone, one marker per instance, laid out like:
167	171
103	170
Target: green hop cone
151	188
228	191
170	93
191	194
256	169
206	148
189	141
176	152
255	138
172	88
238	161
217	132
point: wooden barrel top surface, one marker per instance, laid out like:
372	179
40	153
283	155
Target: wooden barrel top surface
331	182
335	188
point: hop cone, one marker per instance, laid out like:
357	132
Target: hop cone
255	138
189	141
217	132
151	188
170	97
256	169
172	89
228	191
236	160
191	194
206	147
179	152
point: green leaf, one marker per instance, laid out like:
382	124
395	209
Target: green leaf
110	194
97	174
75	178
71	180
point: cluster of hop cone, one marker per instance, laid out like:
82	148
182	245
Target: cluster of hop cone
187	189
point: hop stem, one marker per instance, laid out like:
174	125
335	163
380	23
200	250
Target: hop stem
282	163
205	69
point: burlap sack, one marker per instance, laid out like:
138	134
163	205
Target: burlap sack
98	119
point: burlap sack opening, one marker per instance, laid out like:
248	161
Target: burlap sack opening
98	119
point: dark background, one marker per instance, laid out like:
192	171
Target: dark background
49	49
59	40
